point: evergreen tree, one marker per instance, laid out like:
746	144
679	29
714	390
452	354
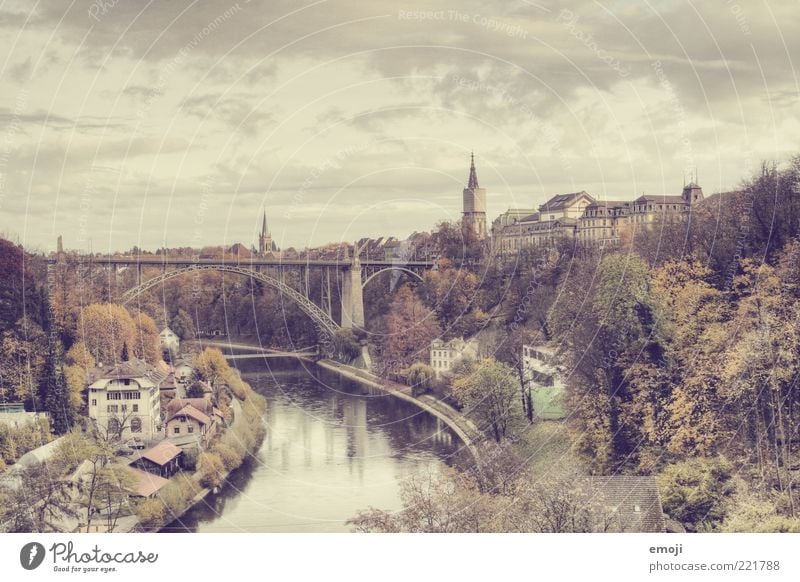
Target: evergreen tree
54	395
125	355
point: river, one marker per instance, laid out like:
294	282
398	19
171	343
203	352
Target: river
333	447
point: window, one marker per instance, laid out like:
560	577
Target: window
94	401
113	408
191	429
183	419
124	408
177	430
135	408
127	382
136	425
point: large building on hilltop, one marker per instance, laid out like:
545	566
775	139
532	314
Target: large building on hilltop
474	207
580	217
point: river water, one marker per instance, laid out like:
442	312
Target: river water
333	447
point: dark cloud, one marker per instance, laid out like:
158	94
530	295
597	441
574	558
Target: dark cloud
313	109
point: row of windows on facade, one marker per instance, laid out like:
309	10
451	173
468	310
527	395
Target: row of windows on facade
114	425
114	408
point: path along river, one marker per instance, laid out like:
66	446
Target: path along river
333	447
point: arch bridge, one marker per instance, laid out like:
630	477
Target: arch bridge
350	275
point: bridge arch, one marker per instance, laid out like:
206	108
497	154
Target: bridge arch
392	268
317	315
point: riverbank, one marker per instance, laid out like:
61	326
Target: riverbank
464	428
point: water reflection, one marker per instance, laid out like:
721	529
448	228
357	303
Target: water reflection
332	448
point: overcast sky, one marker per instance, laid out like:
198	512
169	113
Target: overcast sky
173	123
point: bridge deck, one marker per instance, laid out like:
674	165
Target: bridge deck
160	261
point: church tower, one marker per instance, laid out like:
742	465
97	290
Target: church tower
264	239
474	216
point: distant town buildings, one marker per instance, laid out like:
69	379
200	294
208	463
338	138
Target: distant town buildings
444	355
580	217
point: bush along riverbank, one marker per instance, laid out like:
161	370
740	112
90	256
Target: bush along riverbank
244	409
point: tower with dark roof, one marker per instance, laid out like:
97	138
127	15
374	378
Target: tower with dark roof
264	238
474	213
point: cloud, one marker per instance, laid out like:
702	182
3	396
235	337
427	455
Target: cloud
326	109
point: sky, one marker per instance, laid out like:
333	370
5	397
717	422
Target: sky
176	123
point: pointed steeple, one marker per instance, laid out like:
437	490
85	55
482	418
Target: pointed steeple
473	177
264	238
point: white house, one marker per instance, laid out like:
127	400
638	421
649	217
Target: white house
545	381
124	399
170	342
445	355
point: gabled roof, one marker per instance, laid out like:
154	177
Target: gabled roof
201	404
668	199
191	412
133	369
628	503
535	217
609	204
562	201
162	453
145	484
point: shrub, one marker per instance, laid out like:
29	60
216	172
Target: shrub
420	377
211	469
150	513
695	492
230	458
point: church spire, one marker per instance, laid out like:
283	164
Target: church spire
473	176
264	238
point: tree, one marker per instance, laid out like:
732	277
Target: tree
104	329
608	326
409	329
433	503
183	325
491	395
420	377
146	343
347	346
696	492
42	504
22	350
125	356
54	394
211	469
210	365
78	363
451	293
16	284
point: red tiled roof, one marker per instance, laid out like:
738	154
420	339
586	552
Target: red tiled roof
192	412
162	453
178	404
145	484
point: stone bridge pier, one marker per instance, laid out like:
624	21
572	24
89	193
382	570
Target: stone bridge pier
352	297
